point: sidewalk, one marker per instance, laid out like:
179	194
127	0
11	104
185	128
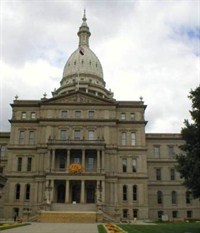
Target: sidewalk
56	228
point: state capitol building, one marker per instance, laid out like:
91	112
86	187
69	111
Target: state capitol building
82	152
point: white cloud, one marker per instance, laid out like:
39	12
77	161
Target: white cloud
138	43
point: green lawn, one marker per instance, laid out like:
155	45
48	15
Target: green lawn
160	228
9	226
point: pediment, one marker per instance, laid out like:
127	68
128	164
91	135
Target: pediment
78	98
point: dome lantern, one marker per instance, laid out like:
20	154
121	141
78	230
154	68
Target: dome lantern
84	32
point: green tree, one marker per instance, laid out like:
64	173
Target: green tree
189	159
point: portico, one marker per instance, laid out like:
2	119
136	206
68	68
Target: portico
75	190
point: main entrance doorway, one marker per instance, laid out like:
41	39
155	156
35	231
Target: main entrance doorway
76	191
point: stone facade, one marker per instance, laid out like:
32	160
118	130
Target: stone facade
82	150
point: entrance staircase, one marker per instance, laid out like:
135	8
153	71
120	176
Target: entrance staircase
70	213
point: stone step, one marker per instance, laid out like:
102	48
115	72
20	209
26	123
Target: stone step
68	217
73	207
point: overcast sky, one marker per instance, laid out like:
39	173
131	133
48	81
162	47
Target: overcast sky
146	48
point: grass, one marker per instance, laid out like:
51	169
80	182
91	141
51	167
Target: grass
160	228
101	229
9	226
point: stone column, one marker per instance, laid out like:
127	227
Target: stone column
116	192
97	190
82	191
103	161
98	161
52	191
67	191
53	160
48	167
83	158
68	160
103	191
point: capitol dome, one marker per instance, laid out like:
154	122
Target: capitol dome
83	64
83	70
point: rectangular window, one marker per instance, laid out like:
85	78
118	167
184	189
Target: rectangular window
125	213
134	192
160	214
172	174
134	165
125	192
19	164
28	188
133	139
77	114
157	152
158	174
124	165
33	115
188	197
77	160
135	213
91	114
91	134
63	134
64	114
17	191
171	152
123	138
62	162
29	164
90	165
23	115
159	197
174	197
21	137
31	137
189	214
77	134
175	214
123	116
3	150
132	116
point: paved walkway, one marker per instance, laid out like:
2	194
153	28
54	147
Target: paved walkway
56	228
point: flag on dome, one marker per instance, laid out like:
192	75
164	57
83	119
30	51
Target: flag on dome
81	51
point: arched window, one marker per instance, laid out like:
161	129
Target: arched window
134	192
27	192
159	197
125	192
174	197
17	191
